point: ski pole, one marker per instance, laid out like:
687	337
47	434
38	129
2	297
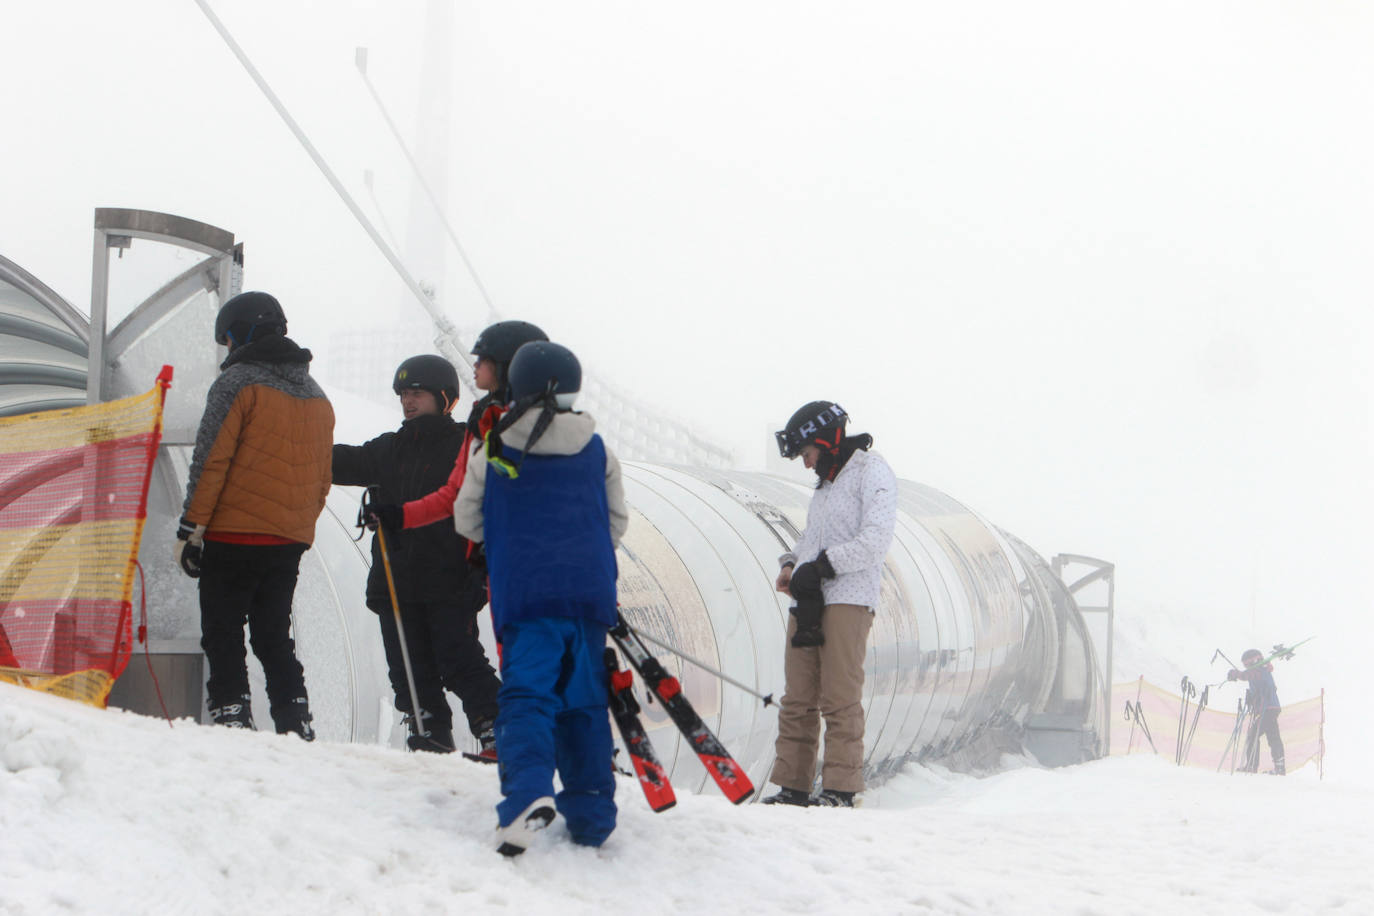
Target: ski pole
1197	714
1139	714
1222	655
416	712
1233	743
1186	688
767	700
1223	658
1252	738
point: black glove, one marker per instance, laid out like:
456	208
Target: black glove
187	550
477	555
806	578
806	589
388	515
190	559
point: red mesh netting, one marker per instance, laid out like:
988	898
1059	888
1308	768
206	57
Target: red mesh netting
73	496
1220	738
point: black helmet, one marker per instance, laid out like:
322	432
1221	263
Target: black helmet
429	373
818	423
1248	654
246	316
540	366
500	341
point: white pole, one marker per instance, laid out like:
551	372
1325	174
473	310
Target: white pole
448	335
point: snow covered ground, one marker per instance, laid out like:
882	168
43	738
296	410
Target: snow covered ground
110	812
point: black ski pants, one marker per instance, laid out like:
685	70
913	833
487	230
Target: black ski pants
444	652
253	584
1266	723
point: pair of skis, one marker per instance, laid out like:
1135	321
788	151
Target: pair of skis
662	686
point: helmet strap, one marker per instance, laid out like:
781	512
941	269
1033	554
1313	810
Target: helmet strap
828	464
548	407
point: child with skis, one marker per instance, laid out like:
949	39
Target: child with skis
438	593
545	497
1262	697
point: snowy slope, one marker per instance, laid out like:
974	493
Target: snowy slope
109	812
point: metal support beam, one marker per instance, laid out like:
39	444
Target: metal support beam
116	228
1101	571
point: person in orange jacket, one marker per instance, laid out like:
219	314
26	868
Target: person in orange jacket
259	475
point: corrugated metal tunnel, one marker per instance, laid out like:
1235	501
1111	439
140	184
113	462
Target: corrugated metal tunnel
974	639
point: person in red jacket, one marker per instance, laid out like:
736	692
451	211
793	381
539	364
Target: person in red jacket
494	349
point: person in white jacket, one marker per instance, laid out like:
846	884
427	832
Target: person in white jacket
834	575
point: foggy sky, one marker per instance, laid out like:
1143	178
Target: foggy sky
1099	271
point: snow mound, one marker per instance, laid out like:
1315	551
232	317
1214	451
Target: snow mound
106	811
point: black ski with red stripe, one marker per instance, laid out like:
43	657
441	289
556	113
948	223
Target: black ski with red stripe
653	779
724	769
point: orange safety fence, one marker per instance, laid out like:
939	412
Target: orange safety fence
73	498
1215	743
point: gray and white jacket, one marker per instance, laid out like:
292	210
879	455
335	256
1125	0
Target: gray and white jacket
568	434
852	519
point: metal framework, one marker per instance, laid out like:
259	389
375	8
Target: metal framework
1104	572
117	228
44	362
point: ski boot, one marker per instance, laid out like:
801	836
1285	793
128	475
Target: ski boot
428	736
236	714
789	797
834	798
485	732
294	718
515	837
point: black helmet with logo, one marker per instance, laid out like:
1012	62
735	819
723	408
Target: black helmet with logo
248	316
429	373
819	423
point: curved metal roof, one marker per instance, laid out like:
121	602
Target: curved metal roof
44	343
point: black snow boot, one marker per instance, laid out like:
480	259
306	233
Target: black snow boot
295	719
834	798
485	732
235	714
789	797
429	736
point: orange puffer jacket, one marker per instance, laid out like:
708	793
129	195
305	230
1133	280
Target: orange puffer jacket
261	464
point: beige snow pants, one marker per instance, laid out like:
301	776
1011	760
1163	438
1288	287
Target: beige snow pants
824	682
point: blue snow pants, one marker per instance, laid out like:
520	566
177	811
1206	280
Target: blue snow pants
552	715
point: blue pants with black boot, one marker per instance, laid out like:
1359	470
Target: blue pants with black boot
553	716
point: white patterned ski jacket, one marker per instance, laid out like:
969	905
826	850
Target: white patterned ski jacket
851	519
